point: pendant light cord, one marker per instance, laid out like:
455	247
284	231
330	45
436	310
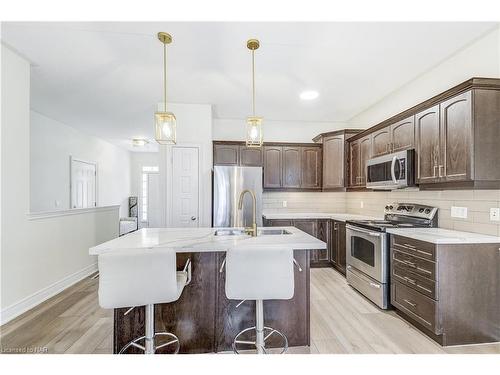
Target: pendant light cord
253	82
165	76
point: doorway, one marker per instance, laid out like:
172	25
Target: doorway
83	185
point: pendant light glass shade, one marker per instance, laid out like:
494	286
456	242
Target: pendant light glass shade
254	131
254	136
165	122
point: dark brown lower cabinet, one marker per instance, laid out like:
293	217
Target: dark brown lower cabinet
336	246
330	231
451	292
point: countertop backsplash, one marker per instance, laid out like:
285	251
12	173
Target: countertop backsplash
478	203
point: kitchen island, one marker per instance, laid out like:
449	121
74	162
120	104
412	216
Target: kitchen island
203	318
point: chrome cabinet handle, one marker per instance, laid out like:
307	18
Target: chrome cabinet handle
222	266
423	252
129	310
410	280
434	171
410	246
374	285
439	169
410	303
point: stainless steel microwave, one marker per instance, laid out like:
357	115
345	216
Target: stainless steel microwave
392	171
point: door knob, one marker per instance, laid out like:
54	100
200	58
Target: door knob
193	218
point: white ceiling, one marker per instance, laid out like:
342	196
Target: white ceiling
105	78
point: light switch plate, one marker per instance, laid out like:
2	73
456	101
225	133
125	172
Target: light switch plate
459	212
284	203
495	214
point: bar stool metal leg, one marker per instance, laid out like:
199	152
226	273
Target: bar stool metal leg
149	338
260	333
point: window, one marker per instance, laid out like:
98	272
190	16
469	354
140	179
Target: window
146	170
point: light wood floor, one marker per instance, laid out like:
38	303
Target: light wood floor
342	321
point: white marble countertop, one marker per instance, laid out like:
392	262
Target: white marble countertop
443	236
187	240
317	215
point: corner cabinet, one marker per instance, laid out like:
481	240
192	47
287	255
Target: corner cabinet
337	245
335	159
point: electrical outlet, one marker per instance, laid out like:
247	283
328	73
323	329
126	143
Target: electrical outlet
285	203
495	214
459	212
361	204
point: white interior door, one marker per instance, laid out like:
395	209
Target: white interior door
185	189
154	210
83	184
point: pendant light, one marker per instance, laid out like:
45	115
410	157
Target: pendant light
165	121
254	123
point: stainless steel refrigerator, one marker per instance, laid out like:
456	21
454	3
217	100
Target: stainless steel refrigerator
229	182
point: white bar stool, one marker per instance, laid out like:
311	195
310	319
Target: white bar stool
142	277
255	273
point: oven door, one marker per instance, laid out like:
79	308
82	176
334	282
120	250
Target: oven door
367	252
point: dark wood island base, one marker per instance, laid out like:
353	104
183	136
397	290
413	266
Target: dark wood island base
206	321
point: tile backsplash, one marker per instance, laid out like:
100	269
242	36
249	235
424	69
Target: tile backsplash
304	201
478	203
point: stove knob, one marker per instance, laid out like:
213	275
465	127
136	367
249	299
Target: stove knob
421	210
387	207
427	210
390	207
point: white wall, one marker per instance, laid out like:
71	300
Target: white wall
194	128
274	131
51	145
479	59
39	256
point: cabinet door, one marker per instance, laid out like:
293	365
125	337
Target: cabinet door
226	154
272	167
333	162
291	167
323	235
333	244
403	135
311	168
428	145
250	156
279	223
341	246
364	154
308	226
354	164
381	140
456	138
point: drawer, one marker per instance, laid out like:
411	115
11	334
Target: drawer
414	264
420	284
421	249
416	305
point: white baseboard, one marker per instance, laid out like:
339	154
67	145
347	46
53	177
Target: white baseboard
18	308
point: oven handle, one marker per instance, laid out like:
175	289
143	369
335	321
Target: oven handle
357	229
393	171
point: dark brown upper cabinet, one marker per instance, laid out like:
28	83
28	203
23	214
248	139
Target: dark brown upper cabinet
381	141
456	135
354	164
250	156
403	135
428	145
272	167
311	159
365	153
335	158
291	167
456	138
226	154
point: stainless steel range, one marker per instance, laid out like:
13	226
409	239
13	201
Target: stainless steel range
367	247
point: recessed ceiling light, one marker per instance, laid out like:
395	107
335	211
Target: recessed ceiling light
309	95
139	142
